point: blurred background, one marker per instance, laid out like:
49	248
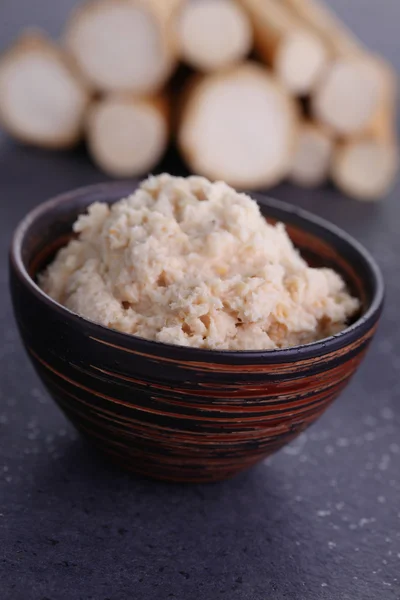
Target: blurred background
366	18
252	92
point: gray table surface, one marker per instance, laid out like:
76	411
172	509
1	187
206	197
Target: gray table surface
320	520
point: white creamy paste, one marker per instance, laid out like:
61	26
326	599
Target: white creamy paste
190	262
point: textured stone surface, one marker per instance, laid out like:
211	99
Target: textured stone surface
320	520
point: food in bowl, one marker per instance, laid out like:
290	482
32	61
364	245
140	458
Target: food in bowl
189	262
183	413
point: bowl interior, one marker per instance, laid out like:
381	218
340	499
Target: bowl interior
48	228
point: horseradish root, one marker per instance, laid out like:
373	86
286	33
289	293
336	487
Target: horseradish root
349	94
365	167
297	55
339	39
312	158
127	136
213	34
123	45
42	100
239	126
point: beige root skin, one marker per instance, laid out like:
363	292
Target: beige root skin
124	45
127	136
365	168
42	97
217	138
349	94
297	54
322	20
213	34
313	155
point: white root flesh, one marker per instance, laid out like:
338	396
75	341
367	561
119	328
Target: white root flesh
349	94
42	99
127	136
213	34
123	45
313	155
239	126
365	167
296	53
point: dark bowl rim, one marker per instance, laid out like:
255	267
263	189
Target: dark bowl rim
294	353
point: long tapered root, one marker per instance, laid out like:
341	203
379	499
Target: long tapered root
365	169
42	100
322	20
313	155
127	136
213	35
283	41
348	95
366	166
300	61
239	126
122	45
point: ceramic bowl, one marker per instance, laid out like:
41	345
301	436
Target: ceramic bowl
178	413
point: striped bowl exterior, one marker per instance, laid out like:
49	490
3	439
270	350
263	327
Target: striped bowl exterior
177	413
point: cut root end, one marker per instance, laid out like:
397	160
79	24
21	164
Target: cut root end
42	100
127	137
365	169
348	95
299	62
213	35
239	126
121	45
312	159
